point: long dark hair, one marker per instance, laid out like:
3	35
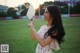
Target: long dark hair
56	31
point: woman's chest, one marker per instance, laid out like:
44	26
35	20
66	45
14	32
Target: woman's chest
42	32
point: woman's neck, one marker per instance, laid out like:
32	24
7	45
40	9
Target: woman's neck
49	23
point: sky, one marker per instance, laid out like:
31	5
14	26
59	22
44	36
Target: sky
14	3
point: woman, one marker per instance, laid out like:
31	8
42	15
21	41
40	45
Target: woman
51	35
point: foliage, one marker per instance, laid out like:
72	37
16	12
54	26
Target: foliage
11	12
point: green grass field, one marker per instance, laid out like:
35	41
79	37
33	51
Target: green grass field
16	33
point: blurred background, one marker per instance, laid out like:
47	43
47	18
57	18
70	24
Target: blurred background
15	32
17	9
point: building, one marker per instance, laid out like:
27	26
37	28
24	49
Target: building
61	0
3	8
70	2
67	0
77	0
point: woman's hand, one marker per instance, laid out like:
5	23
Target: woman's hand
31	24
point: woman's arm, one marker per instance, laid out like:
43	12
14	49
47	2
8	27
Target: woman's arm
32	34
43	42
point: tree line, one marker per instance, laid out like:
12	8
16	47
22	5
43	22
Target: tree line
75	9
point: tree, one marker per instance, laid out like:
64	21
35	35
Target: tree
3	14
42	7
23	13
25	7
76	9
63	6
11	12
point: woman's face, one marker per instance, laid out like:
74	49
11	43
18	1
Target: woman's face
47	16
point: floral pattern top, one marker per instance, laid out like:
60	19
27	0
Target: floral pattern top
48	48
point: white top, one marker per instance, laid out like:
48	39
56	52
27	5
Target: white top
47	49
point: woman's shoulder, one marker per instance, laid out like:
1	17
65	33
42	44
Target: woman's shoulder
43	26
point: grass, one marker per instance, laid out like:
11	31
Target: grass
16	34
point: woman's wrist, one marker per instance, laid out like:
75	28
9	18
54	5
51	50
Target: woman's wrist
31	27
